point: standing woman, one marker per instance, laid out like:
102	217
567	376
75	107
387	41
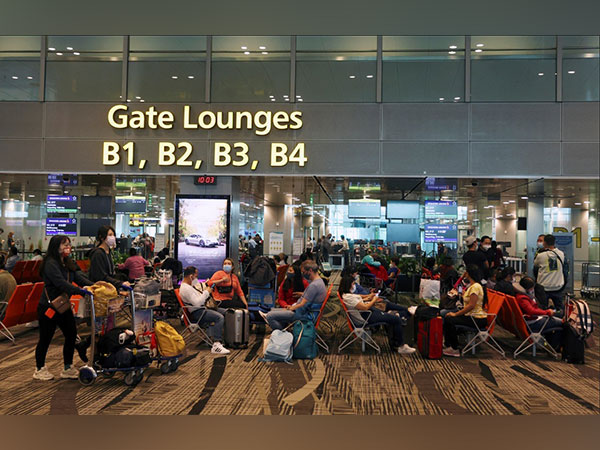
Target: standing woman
58	272
102	267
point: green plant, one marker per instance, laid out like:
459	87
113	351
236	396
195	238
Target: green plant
119	257
408	266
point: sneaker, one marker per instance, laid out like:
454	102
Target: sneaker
406	350
263	315
71	373
449	351
43	374
411	310
33	324
218	349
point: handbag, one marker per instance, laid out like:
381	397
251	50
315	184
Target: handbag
225	289
211	303
61	303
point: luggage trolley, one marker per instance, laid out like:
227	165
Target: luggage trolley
89	373
590	280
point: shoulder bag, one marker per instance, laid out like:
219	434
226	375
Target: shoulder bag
61	303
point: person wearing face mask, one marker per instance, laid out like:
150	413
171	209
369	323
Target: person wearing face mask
504	281
292	287
227	288
315	293
473	256
535	316
58	272
102	266
486	248
353	273
394	316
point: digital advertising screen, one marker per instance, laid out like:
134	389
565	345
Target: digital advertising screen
402	210
364	209
441	233
89	227
130	204
61	204
403	232
202	232
440	209
56	225
96	204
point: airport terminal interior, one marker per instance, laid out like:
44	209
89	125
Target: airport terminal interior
362	153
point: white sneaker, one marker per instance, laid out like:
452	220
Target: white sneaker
263	315
43	374
71	373
406	350
411	310
218	349
33	324
449	351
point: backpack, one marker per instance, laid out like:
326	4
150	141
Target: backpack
305	345
168	341
114	339
260	272
279	347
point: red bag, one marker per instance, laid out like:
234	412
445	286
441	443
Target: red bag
430	337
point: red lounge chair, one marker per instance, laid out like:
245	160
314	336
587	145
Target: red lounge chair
14	310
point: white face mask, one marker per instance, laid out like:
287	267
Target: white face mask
353	289
111	241
357	278
227	268
195	281
486	247
540	245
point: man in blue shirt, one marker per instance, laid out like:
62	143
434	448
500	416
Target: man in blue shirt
314	294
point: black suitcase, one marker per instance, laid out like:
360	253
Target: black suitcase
237	328
573	346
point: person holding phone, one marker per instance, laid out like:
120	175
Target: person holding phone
292	287
58	272
227	288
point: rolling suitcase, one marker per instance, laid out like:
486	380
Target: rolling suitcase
430	338
237	328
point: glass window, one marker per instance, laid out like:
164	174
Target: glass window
167	68
19	68
336	68
581	73
423	69
513	68
84	68
250	69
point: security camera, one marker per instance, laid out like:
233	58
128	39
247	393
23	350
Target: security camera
474	183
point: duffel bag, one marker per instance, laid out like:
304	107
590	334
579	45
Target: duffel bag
119	359
112	340
168	341
305	344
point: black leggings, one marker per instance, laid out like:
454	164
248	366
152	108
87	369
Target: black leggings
450	332
66	323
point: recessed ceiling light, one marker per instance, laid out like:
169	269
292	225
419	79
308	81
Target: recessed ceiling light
174	77
369	76
578	204
456	98
58	53
540	74
441	99
244	47
272	99
479	45
246	53
191	77
586	202
14	77
352	76
76	53
452	52
262	47
51	49
142	100
69	48
265	53
30	78
478	50
452	46
571	72
524	198
138	98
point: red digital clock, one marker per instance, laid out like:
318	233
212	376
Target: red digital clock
205	179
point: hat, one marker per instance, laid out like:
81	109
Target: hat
470	240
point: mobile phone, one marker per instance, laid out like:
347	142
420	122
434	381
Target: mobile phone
378	292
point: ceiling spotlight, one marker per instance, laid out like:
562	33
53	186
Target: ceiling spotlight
58	53
452	52
30	78
441	99
76	53
479	45
174	77
352	76
262	47
265	53
142	100
456	98
15	77
571	72
369	76
478	50
271	96
138	98
300	100
69	48
540	74
244	48
524	198
51	49
586	202
578	204
272	99
453	47
246	53
191	77
298	96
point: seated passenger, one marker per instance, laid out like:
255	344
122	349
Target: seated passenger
227	289
536	317
393	271
37	255
195	304
428	270
492	279
352	271
504	281
135	265
475	300
293	286
315	293
394	315
13	258
282	260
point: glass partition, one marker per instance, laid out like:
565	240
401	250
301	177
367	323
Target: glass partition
423	69
336	68
19	68
167	68
581	74
84	68
250	69
513	68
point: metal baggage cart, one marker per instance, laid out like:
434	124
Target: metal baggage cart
89	373
590	280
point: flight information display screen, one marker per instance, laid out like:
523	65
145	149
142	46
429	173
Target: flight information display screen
56	225
65	204
441	233
440	209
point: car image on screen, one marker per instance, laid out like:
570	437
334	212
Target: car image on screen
196	239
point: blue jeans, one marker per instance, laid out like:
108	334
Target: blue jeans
554	338
215	320
443	312
557	299
279	318
394	323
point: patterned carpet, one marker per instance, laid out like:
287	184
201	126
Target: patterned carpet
346	383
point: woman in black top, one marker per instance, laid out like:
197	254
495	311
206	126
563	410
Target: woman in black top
102	267
58	271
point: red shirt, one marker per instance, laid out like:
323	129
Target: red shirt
232	280
286	297
529	306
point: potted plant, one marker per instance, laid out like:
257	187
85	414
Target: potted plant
409	275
